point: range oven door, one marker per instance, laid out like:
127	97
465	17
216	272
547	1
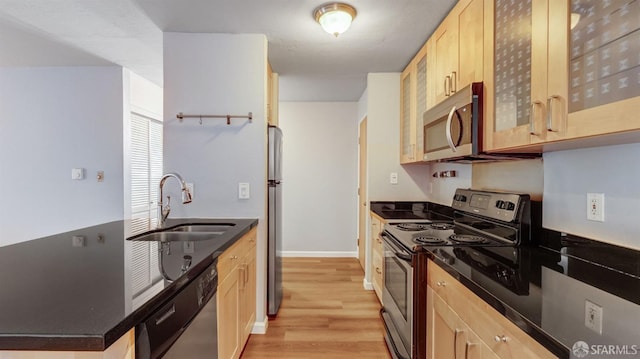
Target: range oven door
397	298
452	128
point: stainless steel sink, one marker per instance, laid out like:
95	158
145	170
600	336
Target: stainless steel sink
186	232
202	227
176	236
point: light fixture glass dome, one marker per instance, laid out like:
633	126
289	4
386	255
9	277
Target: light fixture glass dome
335	18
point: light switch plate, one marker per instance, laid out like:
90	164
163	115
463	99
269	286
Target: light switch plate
244	192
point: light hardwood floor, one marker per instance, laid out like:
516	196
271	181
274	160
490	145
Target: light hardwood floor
325	313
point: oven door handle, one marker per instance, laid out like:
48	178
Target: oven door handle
398	252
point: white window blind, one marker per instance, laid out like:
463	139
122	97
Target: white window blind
146	171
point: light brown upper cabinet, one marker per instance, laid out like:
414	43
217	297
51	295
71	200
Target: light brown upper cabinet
556	81
451	59
458	46
414	100
407	89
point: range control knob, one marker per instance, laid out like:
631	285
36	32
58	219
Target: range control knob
460	198
500	204
511	206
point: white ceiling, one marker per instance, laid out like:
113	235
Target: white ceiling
313	65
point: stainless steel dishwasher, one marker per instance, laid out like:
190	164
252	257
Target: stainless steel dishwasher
185	326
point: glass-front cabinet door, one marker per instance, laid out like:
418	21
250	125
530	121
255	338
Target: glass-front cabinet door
519	51
407	113
603	63
563	69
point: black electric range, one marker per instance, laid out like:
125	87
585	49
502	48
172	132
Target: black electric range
485	233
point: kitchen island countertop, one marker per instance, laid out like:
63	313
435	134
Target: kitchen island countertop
83	289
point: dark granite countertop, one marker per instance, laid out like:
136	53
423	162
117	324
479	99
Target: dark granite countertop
81	290
550	282
403	210
553	282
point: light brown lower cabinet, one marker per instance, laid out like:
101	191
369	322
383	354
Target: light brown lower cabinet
236	296
247	282
449	336
377	255
462	326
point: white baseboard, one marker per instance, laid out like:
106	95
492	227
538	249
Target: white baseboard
316	254
260	327
367	285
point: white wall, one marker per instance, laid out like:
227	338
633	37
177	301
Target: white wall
443	189
218	74
383	144
612	170
320	171
55	119
380	102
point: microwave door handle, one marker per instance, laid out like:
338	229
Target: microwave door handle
448	131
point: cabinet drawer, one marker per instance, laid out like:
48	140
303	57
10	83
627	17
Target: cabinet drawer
377	245
229	260
250	240
501	335
377	275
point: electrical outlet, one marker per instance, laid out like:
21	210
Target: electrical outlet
77	173
593	316
595	207
393	178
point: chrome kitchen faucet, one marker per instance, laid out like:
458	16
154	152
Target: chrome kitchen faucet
163	211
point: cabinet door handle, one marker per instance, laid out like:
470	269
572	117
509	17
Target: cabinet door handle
550	111
441	283
452	82
455	342
532	124
246	273
447	80
467	349
378	270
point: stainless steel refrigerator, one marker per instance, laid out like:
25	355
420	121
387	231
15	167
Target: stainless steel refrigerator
274	259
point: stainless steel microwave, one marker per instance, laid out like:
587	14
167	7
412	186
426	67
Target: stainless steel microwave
453	128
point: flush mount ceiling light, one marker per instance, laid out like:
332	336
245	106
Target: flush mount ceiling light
335	18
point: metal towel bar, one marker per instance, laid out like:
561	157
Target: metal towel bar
182	116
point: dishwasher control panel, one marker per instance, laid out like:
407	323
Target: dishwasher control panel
207	284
